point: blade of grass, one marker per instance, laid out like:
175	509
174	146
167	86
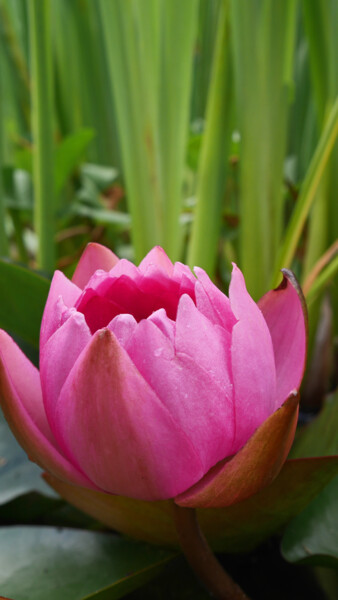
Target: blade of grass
213	161
263	36
3	237
179	29
149	48
42	122
307	193
135	122
323	280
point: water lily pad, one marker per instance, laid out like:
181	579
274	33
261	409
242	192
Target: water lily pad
45	562
17	474
312	536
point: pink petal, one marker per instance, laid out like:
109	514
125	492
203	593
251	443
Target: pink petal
113	424
207	344
201	405
54	310
182	271
166	325
94	257
254	467
21	400
284	310
122	327
212	302
253	363
58	357
125	267
158	258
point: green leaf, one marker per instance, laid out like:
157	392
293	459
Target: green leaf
23	296
312	536
44	562
68	155
320	437
102	176
17	474
101	215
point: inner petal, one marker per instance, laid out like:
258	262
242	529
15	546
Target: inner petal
123	295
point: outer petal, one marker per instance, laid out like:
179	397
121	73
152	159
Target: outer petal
284	310
197	399
22	404
132	444
254	467
61	287
95	256
253	363
58	358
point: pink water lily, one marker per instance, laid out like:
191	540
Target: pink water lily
153	384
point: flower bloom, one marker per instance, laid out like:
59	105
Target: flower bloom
151	379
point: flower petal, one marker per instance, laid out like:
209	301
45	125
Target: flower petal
122	327
284	310
132	444
21	400
61	287
254	467
201	405
253	363
94	257
58	357
157	257
212	302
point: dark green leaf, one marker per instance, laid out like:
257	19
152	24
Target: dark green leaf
23	296
312	537
320	437
44	562
17	474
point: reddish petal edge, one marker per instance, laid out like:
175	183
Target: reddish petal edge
38	448
94	257
254	467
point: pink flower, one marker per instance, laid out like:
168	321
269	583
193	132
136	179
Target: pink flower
151	379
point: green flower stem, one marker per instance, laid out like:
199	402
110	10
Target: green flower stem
42	124
201	558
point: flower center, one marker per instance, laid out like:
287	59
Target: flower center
121	295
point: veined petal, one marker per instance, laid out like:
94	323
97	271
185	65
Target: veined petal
21	401
284	310
61	287
207	344
202	406
132	444
253	363
58	357
254	467
94	257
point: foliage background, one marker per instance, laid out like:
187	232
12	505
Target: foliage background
208	127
